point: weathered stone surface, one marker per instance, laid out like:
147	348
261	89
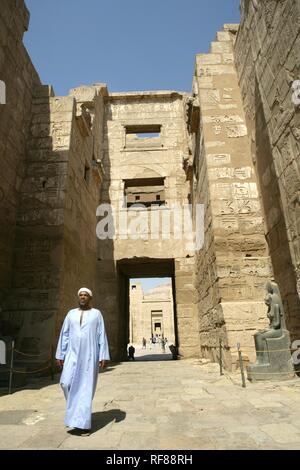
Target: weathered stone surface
129	158
231	146
20	77
232	205
271	118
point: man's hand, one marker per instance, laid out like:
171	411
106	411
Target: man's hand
60	362
102	364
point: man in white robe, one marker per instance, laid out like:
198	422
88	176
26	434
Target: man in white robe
81	348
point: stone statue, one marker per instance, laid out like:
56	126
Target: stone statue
273	358
275	315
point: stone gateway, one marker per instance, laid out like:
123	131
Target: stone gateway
230	145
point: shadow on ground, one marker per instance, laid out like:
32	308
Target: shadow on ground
110	366
40	382
102	419
154	357
32	384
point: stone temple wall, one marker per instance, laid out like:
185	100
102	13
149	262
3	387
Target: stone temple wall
233	267
84	177
233	146
20	78
267	60
55	246
32	302
127	158
50	154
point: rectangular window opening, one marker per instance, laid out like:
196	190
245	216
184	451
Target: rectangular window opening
148	135
146	191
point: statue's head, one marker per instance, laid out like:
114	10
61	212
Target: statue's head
268	300
275	288
269	287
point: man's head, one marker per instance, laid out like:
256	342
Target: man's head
84	298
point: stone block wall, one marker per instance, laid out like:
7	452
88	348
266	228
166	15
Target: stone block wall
139	325
83	185
267	60
234	265
187	321
20	78
123	163
163	159
211	319
55	248
33	300
238	156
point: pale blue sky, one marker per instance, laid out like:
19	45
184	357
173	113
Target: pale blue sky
130	45
150	282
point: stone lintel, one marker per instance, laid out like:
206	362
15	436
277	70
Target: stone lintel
146	95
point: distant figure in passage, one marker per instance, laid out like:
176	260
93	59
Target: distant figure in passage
131	351
174	351
144	342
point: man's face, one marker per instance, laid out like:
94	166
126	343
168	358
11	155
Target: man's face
84	299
